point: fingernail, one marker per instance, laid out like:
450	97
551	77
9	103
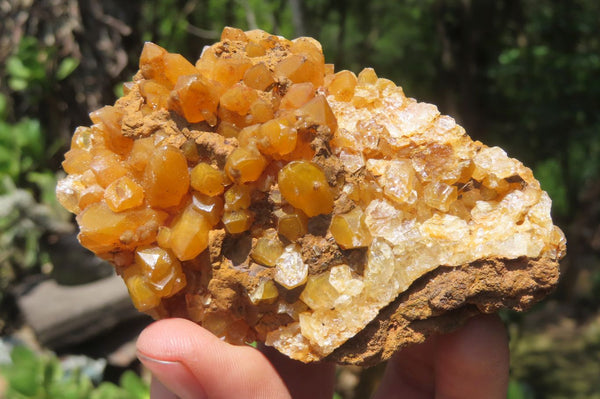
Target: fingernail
175	376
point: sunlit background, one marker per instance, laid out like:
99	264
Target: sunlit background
521	74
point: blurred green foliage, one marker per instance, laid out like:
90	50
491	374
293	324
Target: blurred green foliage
33	376
518	390
21	148
35	68
560	362
521	74
28	206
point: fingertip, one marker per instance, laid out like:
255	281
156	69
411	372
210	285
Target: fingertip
162	348
192	362
173	339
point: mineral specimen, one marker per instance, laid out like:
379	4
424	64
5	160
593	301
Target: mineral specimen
267	197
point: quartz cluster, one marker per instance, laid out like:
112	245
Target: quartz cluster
267	197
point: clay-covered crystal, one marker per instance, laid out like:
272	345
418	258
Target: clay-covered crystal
267	197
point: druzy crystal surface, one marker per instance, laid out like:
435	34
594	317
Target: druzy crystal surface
267	197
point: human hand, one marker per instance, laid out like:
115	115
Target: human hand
189	362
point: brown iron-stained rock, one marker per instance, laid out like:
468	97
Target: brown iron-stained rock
266	197
443	299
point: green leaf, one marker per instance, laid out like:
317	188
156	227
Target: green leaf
16	69
25	374
509	56
9	162
66	67
540	51
21	147
52	373
26	163
31	249
517	390
18	84
70	389
107	390
549	174
29	46
46	182
118	90
24	382
3	106
134	385
23	357
28	135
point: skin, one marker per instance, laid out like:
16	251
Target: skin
189	362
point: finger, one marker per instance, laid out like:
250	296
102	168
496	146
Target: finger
410	373
193	363
304	381
474	361
471	362
159	391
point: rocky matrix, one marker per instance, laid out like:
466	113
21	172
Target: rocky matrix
267	197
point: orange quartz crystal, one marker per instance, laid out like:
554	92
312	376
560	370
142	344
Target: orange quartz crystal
166	177
304	186
245	164
237	221
267	249
291	223
207	180
277	136
267	197
189	234
349	229
124	193
210	207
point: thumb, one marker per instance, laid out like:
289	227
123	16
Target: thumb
193	363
